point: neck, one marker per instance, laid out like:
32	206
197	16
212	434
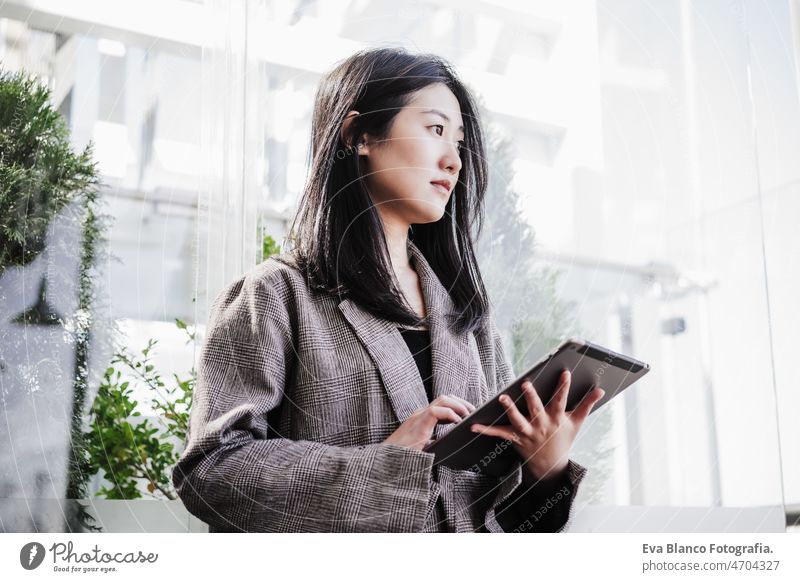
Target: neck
396	233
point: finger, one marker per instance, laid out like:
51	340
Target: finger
586	404
455	403
504	432
535	406
518	420
558	403
470	407
444	414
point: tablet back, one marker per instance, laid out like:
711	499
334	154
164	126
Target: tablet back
590	364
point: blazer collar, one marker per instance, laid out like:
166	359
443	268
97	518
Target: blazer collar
450	353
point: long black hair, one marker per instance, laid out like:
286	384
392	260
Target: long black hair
337	233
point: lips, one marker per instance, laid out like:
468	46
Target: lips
444	185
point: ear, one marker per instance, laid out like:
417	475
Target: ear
362	146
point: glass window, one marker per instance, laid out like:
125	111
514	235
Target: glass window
643	195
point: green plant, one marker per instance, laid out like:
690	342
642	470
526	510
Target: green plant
39	173
127	449
269	247
523	293
525	296
41	178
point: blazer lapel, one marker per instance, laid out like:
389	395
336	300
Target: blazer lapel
450	353
389	352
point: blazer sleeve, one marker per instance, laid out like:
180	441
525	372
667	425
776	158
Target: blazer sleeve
518	508
236	474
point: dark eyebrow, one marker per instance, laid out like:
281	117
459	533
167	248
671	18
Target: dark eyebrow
443	116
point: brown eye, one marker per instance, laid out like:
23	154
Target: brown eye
439	126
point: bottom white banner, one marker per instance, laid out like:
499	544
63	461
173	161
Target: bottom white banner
372	557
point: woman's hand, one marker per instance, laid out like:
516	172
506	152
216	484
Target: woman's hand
417	430
544	439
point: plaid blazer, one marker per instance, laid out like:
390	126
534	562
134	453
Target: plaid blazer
296	392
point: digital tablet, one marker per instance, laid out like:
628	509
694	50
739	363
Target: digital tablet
590	364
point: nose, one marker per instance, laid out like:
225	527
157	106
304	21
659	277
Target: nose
451	161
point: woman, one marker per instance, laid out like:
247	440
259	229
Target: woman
327	369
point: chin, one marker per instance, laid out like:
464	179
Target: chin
433	212
425	212
430	217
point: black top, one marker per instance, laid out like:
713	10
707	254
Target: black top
419	344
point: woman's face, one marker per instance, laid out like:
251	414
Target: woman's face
422	148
